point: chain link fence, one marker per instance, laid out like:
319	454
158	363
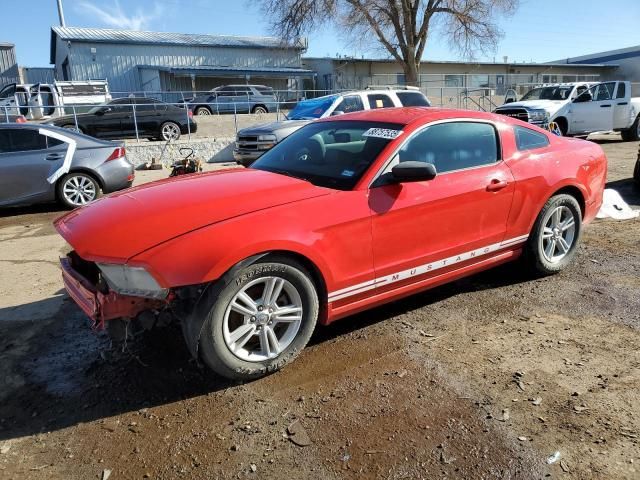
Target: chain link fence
233	112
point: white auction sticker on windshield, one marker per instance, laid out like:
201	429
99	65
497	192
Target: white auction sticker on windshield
382	133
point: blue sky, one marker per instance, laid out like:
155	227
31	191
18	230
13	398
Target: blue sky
541	29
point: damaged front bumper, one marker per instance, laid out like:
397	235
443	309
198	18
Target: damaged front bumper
99	305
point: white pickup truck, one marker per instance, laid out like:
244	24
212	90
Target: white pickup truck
580	108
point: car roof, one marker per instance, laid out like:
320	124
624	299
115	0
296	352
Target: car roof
64	131
409	115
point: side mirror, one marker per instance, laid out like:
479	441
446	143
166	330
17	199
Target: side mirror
509	100
583	97
413	171
337	112
103	110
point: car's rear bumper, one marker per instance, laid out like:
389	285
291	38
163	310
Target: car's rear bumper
116	175
98	306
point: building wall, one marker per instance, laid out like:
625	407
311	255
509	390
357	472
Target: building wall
37	74
8	65
118	63
355	73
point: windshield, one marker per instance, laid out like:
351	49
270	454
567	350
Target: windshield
330	154
311	109
549	93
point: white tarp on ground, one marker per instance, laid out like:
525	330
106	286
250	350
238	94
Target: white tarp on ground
613	206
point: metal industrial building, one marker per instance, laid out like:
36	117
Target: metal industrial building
135	61
346	73
8	65
627	61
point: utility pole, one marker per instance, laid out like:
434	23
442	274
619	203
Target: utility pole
61	13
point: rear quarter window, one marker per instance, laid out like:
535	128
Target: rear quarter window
413	99
527	139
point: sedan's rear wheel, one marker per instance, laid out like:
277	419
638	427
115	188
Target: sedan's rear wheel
259	319
202	111
77	189
170	131
554	240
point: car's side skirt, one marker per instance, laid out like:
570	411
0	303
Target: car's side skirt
423	269
377	299
379	290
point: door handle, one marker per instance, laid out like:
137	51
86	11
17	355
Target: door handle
623	103
496	185
54	156
605	106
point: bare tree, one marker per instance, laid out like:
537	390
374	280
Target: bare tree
401	27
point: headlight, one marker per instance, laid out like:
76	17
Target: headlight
267	138
128	280
538	115
266	142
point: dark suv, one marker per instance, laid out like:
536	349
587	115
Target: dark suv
235	99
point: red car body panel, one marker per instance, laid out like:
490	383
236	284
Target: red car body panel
369	245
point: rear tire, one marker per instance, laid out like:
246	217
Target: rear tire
555	237
202	111
77	189
245	346
632	134
170	131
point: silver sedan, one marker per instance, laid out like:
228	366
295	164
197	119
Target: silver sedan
41	163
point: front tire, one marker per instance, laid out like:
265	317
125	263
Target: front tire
259	110
554	239
77	189
258	319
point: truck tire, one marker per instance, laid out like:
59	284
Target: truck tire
563	125
632	134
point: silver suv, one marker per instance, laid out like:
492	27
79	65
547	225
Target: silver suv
252	142
235	99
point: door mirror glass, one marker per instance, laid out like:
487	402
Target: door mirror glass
337	112
412	171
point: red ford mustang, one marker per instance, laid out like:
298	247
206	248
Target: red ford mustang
345	214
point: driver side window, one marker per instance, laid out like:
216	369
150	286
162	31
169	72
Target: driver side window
453	146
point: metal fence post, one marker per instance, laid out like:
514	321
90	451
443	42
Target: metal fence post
75	118
6	113
135	122
235	117
186	109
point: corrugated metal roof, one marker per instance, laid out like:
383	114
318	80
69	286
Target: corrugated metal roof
138	37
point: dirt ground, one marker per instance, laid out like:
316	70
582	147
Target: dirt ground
484	378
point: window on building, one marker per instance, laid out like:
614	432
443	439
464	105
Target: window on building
379	100
454	80
453	146
527	139
479	81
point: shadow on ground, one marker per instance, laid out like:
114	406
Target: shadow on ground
57	373
628	190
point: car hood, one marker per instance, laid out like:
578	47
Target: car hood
122	225
548	105
274	127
